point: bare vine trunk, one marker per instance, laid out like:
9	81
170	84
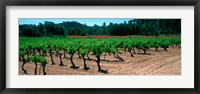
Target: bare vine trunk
61	63
50	52
24	62
35	68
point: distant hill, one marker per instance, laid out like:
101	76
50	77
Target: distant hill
153	27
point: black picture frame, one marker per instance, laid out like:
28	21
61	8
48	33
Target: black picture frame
4	3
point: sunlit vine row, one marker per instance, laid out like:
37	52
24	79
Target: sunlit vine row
36	49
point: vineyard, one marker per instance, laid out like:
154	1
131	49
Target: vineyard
61	52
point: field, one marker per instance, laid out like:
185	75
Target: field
139	58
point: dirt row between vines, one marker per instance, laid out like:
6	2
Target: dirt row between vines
155	63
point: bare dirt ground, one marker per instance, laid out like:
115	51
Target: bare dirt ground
155	63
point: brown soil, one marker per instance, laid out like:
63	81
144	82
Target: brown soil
154	63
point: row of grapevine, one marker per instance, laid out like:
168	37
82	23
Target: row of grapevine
36	49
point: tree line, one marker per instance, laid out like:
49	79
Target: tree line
153	27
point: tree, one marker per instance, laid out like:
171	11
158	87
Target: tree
50	28
154	27
42	29
97	49
72	49
22	54
83	52
42	60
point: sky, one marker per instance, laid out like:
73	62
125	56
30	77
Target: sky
87	21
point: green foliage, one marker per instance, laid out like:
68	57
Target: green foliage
86	45
128	45
72	49
97	49
44	48
43	61
37	58
113	50
22	53
97	46
165	43
83	52
154	27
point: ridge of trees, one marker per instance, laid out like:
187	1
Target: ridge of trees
154	27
